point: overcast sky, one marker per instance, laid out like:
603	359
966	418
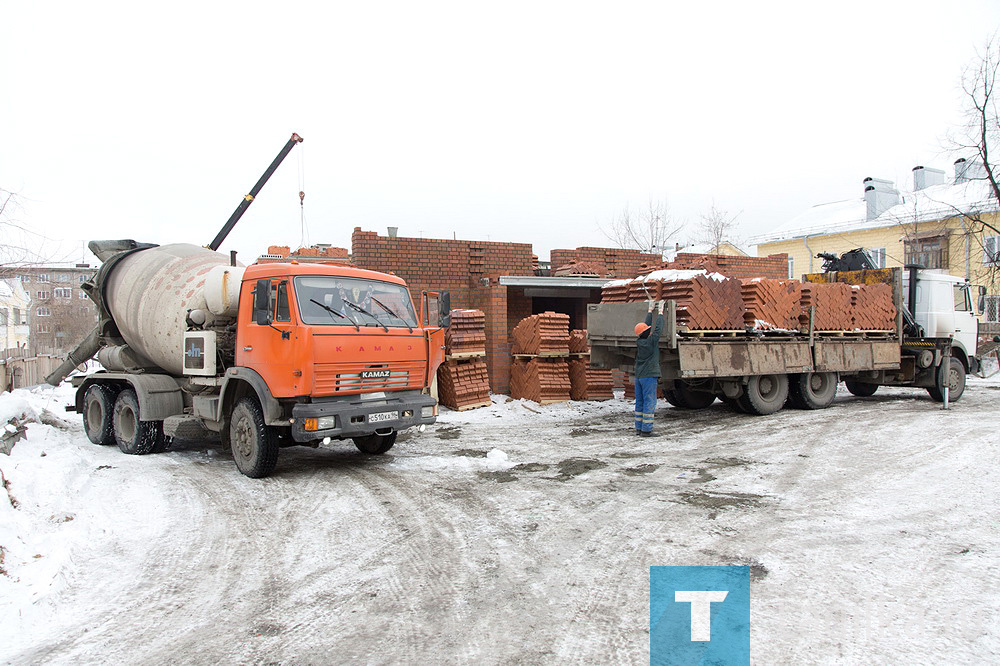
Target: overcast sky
534	122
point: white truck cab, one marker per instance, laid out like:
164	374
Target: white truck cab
944	308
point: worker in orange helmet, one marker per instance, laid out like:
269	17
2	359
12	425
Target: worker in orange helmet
647	369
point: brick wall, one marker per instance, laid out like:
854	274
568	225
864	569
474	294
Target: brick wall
771	266
325	254
618	263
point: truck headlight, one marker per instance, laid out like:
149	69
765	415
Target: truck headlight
321	423
427	411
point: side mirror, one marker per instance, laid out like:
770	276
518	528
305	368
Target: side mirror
444	309
982	299
262	310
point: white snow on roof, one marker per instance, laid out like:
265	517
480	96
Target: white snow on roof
933	203
668	276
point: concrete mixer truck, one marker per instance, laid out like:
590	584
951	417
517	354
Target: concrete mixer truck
194	345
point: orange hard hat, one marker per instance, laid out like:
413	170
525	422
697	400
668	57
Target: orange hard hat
641	328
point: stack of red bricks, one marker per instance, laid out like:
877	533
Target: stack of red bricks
586	383
772	304
463	381
545	334
467	333
834	306
574	267
706	302
873	307
540	346
616	291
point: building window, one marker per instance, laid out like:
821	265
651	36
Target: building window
25	278
791	268
42	328
42	295
991	250
43	312
83	278
878	256
3	317
43	277
63	293
926	251
83	294
992	313
18	321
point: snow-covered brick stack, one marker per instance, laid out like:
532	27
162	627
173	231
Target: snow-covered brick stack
545	334
616	291
707	303
467	332
834	309
587	268
587	383
578	343
543	380
873	307
772	304
464	384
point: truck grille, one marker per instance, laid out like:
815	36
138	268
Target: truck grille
330	378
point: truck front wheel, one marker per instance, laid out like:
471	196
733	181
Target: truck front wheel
951	375
687	398
98	414
254	443
813	390
135	437
375	444
764	394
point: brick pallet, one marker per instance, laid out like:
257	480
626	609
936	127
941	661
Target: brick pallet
772	304
578	343
466	336
544	380
706	303
587	383
463	384
545	334
873	308
834	308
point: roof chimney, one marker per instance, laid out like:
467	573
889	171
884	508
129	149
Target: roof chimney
924	177
392	231
880	196
966	170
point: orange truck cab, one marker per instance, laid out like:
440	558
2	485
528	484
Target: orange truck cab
341	350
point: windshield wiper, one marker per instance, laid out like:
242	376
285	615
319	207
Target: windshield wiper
332	311
361	309
386	308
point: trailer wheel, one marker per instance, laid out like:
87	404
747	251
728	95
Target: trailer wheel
812	390
253	442
952	376
135	437
860	389
375	444
98	414
764	394
689	399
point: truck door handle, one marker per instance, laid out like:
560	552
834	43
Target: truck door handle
248	349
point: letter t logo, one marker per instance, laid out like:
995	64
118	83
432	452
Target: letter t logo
701	610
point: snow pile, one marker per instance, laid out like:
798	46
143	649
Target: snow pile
667	275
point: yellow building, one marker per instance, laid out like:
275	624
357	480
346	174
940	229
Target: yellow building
938	224
14	306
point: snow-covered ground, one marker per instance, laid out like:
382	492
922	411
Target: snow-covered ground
514	533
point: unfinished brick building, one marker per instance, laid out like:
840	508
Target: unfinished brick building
500	279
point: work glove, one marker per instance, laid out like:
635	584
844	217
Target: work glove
661	306
651	304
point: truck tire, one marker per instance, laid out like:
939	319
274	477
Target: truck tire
860	389
951	375
764	394
812	390
98	414
253	442
135	437
689	399
375	444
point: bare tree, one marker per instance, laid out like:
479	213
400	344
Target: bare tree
17	239
716	227
649	230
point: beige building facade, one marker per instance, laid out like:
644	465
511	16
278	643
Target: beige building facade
14	308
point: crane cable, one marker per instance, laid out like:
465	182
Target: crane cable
304	238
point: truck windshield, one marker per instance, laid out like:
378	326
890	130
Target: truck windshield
341	301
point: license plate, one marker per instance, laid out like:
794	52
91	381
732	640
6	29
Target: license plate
383	416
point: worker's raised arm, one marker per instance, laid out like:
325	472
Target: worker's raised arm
655	335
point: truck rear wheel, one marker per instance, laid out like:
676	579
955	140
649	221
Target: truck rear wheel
686	398
135	437
812	390
951	375
860	389
253	442
98	414
764	394
375	444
